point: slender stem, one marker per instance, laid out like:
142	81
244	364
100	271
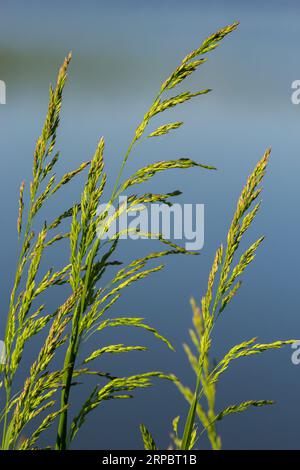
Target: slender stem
61	441
8	393
134	140
115	188
189	425
70	359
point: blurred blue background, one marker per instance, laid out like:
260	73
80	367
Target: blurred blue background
122	50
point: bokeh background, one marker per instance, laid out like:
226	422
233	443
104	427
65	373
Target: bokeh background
122	51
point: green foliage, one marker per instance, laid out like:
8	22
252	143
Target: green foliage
89	257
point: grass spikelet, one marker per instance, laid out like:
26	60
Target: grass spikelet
211	42
68	176
148	441
113	349
242	407
135	322
144	174
165	129
187	67
21	207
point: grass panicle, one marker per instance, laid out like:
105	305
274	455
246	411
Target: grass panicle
223	284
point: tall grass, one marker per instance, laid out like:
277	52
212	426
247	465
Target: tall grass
45	398
224	281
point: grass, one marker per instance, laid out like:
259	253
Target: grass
224	281
45	399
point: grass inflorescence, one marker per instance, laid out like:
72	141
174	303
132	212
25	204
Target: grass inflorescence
45	399
224	281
